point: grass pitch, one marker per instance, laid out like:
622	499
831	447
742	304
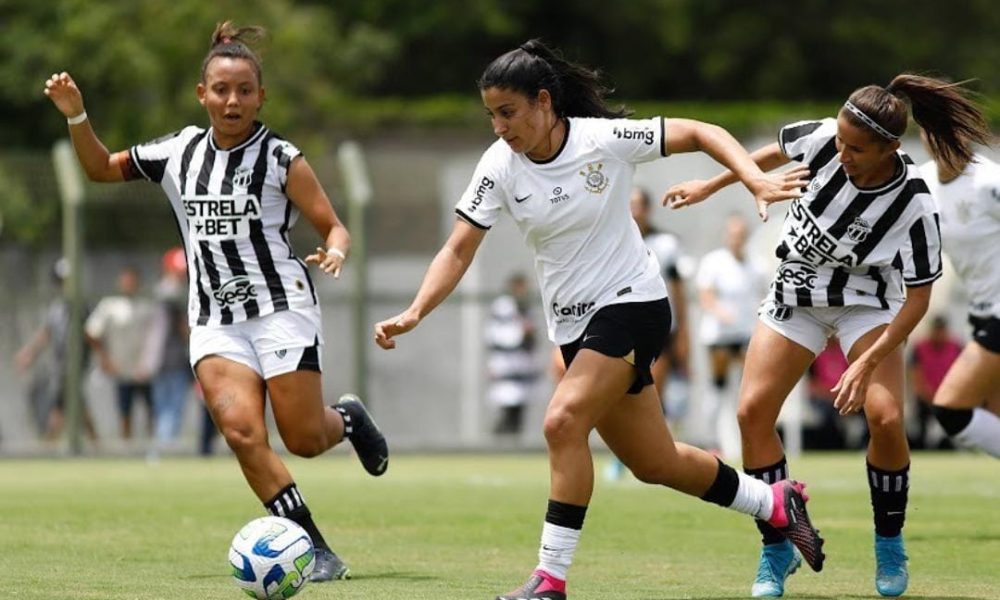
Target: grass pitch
467	527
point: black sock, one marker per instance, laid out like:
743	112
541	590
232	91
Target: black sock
953	420
770	474
889	491
288	503
725	486
565	515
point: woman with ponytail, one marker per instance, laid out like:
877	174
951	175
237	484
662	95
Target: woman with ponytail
562	169
235	189
966	187
865	230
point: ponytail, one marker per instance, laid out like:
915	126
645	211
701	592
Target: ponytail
576	90
235	42
952	121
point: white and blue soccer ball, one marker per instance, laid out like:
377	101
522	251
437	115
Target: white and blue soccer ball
271	558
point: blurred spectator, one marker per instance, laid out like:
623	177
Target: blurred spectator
48	395
730	287
169	349
930	360
672	364
510	335
117	331
821	427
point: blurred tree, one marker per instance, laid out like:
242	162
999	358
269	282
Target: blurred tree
138	63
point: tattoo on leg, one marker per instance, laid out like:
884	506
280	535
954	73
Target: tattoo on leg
223	402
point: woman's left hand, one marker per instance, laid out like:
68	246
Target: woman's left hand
852	389
778	187
328	261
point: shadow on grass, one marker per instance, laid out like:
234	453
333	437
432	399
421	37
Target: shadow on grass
396	575
972	537
831	597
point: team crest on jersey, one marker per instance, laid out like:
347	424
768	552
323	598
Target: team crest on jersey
858	230
594	178
242	177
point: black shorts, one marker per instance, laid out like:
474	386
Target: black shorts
621	329
986	332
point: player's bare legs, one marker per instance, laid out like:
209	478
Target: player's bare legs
773	366
968	402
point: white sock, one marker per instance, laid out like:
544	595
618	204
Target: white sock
982	432
555	554
753	497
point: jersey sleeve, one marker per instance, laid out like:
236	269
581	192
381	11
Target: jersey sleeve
150	158
803	140
483	200
988	186
284	152
921	255
631	140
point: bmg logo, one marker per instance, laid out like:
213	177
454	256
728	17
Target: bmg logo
644	135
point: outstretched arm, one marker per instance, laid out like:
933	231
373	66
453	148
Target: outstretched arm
97	162
685	135
305	191
442	276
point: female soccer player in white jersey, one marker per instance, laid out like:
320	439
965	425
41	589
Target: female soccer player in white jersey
235	189
865	228
968	197
563	171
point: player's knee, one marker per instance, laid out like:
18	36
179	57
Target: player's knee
654	474
748	418
560	427
242	438
306	446
885	422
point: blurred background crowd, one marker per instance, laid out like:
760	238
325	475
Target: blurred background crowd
399	78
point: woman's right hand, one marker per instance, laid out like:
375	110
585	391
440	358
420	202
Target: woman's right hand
398	325
62	91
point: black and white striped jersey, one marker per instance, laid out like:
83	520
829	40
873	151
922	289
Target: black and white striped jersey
234	217
842	245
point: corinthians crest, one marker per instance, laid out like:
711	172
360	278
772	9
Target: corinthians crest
242	176
594	179
858	230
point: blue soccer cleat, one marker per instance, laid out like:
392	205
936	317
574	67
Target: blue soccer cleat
777	562
891	576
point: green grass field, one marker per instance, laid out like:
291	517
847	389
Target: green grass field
466	527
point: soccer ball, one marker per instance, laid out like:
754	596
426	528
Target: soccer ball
271	558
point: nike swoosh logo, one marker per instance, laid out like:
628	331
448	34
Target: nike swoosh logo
381	465
590	337
520	200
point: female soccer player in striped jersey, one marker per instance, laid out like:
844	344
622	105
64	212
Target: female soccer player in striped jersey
865	228
235	189
563	171
967	191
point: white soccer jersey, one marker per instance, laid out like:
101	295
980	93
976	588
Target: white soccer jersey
667	251
738	287
970	228
573	211
234	217
842	245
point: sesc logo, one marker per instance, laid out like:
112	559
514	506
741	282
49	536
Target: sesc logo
235	291
646	136
798	274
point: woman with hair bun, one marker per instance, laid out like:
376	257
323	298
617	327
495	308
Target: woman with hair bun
235	189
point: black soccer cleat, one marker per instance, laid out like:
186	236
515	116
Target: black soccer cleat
364	434
789	516
328	567
540	586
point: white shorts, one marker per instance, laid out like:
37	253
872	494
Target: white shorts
811	326
272	345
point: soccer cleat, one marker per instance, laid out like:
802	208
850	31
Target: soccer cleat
777	562
789	516
328	567
540	586
364	434
891	576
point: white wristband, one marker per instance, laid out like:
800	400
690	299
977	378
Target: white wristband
332	250
80	118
